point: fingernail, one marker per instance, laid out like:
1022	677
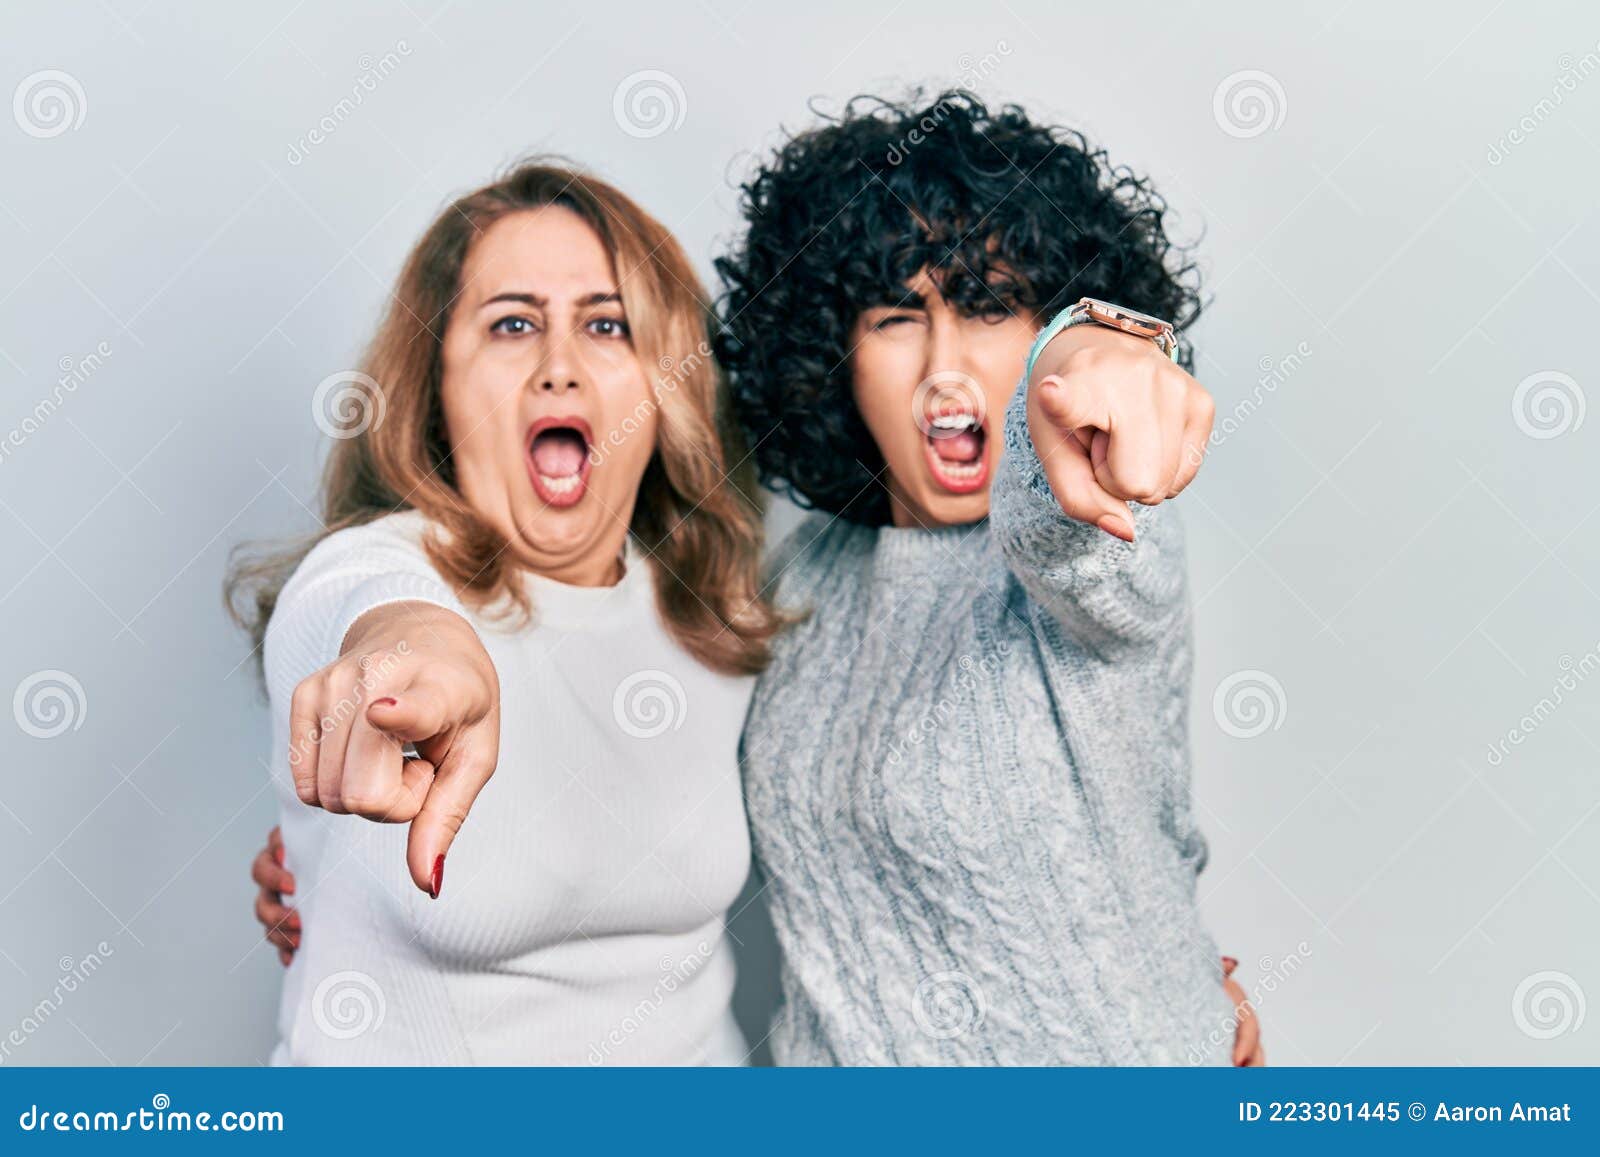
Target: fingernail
292	919
1116	527
437	882
386	701
1229	964
277	854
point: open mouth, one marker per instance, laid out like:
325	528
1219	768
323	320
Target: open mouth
956	440
558	459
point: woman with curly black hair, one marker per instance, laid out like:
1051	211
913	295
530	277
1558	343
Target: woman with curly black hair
967	770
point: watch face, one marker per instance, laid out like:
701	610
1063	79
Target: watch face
1129	320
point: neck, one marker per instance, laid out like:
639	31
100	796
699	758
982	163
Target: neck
904	515
601	566
901	513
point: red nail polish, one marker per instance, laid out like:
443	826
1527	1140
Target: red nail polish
437	882
1229	963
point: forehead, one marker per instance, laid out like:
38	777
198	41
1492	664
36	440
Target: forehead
942	287
549	251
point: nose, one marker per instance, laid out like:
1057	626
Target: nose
559	371
945	347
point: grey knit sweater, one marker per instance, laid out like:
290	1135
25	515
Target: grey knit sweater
967	775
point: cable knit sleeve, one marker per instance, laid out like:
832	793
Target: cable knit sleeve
346	575
1107	594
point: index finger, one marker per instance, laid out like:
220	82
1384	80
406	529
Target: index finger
462	774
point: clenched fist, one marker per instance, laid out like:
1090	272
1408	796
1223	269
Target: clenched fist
409	673
1114	420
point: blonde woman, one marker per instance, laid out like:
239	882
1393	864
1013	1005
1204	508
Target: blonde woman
531	562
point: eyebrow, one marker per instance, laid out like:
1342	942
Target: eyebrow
909	299
599	297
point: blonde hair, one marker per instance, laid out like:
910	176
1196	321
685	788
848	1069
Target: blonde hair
699	517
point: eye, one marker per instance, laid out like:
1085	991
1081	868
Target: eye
514	326
992	312
894	319
609	327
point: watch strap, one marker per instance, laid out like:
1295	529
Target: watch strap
1078	314
1064	319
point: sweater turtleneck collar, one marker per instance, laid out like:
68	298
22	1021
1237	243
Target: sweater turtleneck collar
912	552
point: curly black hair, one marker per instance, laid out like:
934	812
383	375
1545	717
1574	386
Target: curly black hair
996	207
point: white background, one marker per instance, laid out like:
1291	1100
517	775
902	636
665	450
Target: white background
1382	534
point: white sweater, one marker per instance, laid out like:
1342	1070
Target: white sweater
581	918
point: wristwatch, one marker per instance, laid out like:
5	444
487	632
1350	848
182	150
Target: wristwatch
1089	310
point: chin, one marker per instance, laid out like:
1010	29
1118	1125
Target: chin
552	534
933	504
956	510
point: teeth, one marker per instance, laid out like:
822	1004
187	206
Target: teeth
955	422
961	473
564	485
